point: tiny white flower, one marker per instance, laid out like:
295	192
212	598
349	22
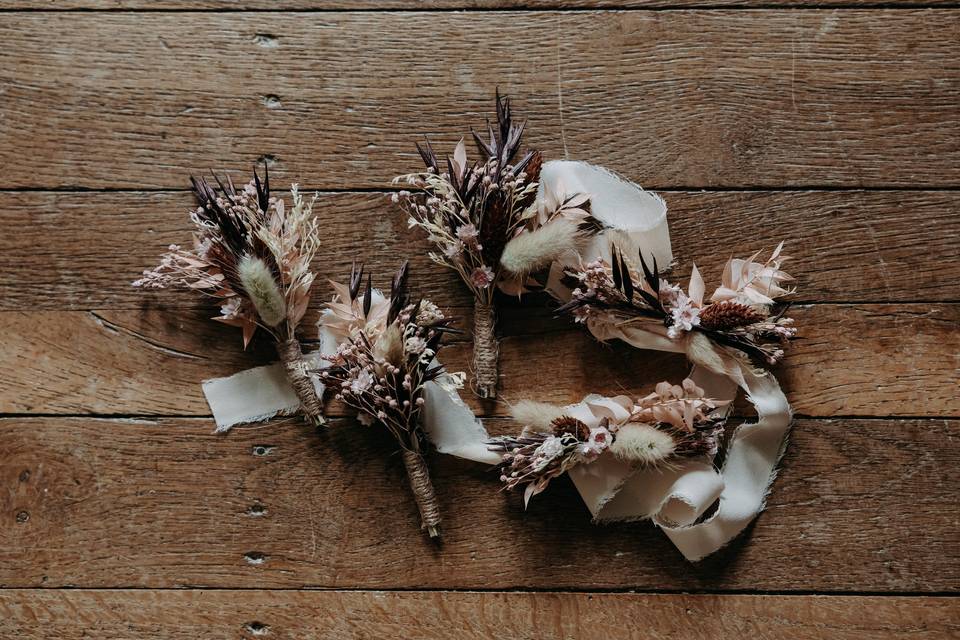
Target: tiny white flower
685	315
415	345
362	382
468	234
453	249
428	313
231	309
551	447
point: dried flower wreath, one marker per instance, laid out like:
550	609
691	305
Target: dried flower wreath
386	354
253	254
676	421
489	225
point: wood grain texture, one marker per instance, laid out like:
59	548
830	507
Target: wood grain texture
82	250
430	5
698	98
859	505
155	528
187	615
868	360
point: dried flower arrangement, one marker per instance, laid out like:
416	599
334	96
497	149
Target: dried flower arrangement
490	227
253	255
674	422
386	354
738	315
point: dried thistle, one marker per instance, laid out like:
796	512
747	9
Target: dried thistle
487	224
739	316
253	255
675	421
387	354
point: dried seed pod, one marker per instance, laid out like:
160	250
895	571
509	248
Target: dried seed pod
571	426
722	316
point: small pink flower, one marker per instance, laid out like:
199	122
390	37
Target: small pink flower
685	314
668	293
453	249
231	309
482	277
468	235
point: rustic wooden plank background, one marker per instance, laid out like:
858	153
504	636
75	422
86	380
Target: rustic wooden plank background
122	516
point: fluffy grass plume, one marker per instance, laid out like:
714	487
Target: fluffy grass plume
530	252
260	285
537	415
643	443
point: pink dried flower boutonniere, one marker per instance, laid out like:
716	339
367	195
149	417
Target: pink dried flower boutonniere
489	225
386	355
674	422
252	254
739	315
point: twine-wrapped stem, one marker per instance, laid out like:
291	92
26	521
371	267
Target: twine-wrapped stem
292	358
486	349
423	492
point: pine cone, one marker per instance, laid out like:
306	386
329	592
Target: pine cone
722	316
572	426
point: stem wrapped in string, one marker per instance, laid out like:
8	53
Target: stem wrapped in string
486	349
296	368
423	492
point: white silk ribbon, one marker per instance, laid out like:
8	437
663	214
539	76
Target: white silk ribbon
674	498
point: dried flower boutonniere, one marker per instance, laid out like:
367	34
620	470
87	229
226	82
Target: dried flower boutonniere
252	254
738	317
674	422
490	227
386	355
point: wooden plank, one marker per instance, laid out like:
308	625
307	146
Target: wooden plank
186	615
869	360
429	5
82	250
136	503
698	98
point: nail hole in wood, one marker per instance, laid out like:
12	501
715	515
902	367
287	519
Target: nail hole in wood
266	40
257	628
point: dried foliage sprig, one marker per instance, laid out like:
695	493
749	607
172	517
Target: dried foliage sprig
738	316
488	224
387	354
676	421
253	255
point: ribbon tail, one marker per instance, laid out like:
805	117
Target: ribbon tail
748	472
255	395
452	428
